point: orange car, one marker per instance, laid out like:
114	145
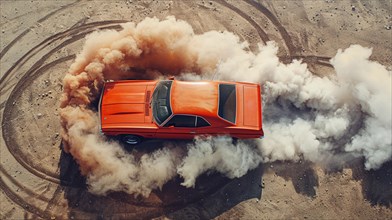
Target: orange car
172	109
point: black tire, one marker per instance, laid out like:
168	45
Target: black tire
131	139
234	140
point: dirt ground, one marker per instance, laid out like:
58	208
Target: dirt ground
39	40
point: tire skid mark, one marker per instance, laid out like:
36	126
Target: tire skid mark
20	201
285	35
263	35
5	50
7	215
11	144
38	9
319	60
79	23
9	141
53	202
19	63
29	76
47	66
25	189
5	86
36	70
53	38
313	57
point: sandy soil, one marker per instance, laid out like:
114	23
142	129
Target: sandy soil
39	40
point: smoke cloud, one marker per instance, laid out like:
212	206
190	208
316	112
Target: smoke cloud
324	118
218	154
344	114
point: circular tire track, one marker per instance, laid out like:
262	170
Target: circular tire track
320	60
69	36
291	49
5	50
75	33
263	35
37	69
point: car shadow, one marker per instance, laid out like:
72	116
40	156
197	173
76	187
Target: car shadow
210	201
376	184
302	175
212	195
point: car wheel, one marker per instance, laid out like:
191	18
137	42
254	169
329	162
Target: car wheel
234	140
131	139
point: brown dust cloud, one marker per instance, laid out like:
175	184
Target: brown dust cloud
328	120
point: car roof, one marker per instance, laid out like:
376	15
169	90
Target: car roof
195	98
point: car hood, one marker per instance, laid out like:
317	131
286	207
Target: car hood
124	104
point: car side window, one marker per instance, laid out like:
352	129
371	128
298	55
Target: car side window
182	121
201	122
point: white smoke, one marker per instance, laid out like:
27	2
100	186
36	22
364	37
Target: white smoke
217	154
370	86
310	116
321	119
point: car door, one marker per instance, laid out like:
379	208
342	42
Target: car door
178	127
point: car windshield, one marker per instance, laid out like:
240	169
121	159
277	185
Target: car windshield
161	109
227	102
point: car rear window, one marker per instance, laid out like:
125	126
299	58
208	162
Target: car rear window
161	101
227	102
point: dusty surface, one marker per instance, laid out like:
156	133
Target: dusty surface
39	40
